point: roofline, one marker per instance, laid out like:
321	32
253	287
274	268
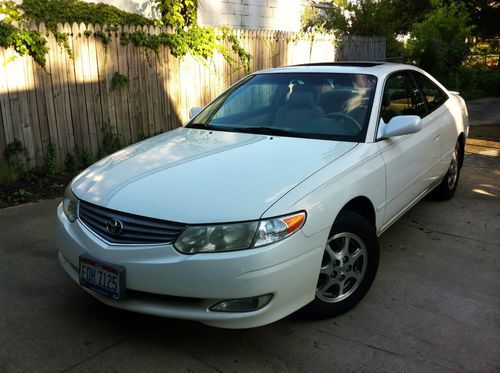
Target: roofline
344	63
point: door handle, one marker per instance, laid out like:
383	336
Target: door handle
437	138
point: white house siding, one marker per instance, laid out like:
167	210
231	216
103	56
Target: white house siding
256	14
145	7
281	15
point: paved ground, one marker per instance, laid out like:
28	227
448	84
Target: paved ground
435	305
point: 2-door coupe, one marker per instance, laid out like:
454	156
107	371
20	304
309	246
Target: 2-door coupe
269	200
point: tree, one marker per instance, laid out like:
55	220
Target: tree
331	18
440	42
484	16
388	18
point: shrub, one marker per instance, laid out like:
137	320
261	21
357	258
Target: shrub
439	43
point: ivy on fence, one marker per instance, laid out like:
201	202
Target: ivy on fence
186	38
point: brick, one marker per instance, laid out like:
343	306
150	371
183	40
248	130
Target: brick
241	9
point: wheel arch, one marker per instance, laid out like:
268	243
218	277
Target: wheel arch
362	206
461	140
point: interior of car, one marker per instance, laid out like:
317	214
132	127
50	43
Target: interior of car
329	104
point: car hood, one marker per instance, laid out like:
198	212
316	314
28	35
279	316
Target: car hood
199	176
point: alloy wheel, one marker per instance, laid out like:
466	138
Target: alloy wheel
343	267
453	170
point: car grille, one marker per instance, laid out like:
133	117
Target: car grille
136	229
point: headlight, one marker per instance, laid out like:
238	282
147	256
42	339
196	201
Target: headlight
276	229
214	238
70	204
237	236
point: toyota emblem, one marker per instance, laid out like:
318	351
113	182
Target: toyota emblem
115	227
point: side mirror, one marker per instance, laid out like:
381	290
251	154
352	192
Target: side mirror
194	112
399	126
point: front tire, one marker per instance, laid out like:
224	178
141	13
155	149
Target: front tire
348	267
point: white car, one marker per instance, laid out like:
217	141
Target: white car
269	200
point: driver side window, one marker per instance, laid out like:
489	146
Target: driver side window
402	97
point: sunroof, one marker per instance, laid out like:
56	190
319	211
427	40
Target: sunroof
343	63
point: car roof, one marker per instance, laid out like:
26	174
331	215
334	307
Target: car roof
354	67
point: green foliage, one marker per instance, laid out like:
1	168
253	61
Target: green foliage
178	13
22	194
24	42
188	37
86	159
8	175
439	44
474	82
52	12
387	18
15	154
118	80
70	164
484	15
243	55
10	11
13	149
331	19
201	42
110	141
50	166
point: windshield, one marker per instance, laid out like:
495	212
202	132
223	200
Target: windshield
313	105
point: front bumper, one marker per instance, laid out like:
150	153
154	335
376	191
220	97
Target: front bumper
160	281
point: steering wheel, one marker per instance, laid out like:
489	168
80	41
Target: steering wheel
344	116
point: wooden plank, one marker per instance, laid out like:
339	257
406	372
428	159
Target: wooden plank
141	81
110	65
3	143
123	92
80	60
147	84
75	89
133	88
87	85
96	130
21	87
33	109
164	79
15	131
64	67
6	111
54	67
156	86
49	100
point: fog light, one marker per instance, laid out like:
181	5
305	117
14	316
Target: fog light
242	305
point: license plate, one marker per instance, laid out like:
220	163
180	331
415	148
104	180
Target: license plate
105	278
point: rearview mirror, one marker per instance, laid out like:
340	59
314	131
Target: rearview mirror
194	112
399	126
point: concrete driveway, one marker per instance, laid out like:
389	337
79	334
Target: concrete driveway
434	306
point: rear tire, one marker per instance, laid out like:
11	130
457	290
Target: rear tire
446	189
348	267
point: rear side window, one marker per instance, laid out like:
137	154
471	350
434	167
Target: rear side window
434	96
402	96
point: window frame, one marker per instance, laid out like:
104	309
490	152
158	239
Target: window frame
384	83
410	76
361	137
445	95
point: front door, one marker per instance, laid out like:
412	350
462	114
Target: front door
410	160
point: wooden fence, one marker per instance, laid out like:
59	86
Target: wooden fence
71	104
361	48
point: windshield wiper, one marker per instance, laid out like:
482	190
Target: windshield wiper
199	126
265	130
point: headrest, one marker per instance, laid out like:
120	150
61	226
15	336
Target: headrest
301	95
338	96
